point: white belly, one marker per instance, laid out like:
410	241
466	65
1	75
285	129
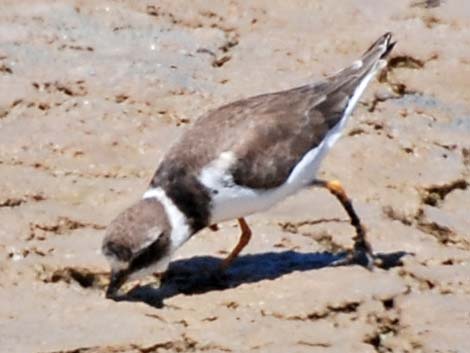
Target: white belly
232	201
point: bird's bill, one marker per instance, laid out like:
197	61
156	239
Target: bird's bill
116	281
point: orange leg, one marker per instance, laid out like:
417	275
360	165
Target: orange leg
244	239
362	251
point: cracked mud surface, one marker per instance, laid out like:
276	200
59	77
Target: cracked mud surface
92	95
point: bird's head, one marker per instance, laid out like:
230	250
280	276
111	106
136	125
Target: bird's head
137	242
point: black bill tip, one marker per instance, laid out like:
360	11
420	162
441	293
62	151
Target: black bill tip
116	281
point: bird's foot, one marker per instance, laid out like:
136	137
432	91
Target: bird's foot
362	257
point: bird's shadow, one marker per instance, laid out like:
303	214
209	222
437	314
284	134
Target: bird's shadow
198	275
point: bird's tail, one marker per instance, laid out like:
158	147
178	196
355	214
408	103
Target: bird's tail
374	57
351	82
379	50
363	69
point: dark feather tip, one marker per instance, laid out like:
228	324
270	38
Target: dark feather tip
389	48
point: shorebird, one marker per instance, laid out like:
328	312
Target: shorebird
237	160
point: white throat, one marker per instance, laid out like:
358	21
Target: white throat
180	230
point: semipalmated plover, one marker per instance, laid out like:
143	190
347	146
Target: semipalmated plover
239	159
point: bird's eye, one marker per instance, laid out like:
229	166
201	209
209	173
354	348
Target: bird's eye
151	254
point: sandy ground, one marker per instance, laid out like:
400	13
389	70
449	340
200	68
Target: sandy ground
93	92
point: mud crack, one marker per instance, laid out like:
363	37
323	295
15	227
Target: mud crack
314	344
5	111
84	277
466	156
294	227
50	170
327	242
435	195
63	225
442	234
424	284
72	89
386	323
385	327
5	69
399	62
205	19
405	61
427	4
222	57
185	344
329	312
323	238
398	89
15	201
